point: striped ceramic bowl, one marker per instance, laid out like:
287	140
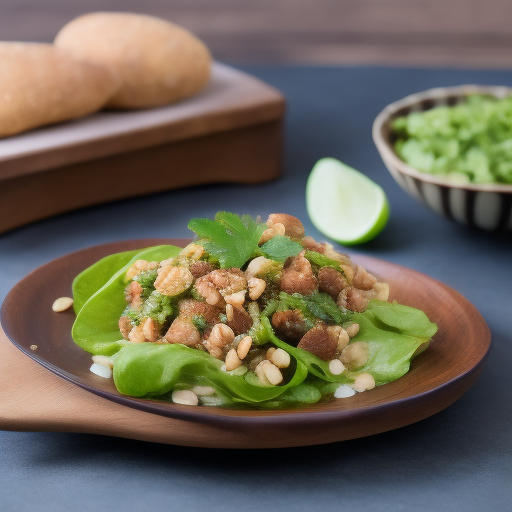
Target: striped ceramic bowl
486	206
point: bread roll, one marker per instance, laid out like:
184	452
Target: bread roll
40	84
157	62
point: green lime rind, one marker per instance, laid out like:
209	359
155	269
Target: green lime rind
344	204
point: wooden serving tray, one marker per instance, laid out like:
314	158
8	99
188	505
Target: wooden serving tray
230	132
32	399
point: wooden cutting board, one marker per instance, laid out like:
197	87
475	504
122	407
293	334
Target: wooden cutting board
230	132
33	399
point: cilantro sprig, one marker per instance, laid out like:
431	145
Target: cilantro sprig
229	238
279	248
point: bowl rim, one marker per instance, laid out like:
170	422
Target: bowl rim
389	155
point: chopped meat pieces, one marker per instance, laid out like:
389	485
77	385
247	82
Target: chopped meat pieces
331	281
183	331
352	299
201	268
363	280
289	325
240	322
320	341
151	329
132	294
125	326
310	244
293	226
298	277
221	283
191	308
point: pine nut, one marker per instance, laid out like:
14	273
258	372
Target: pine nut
272	373
266	235
276	229
137	334
343	339
62	303
352	330
243	347
104	360
258	265
331	253
259	371
101	370
140	266
192	251
172	281
236	299
221	335
280	358
382	291
344	391
232	360
363	382
269	353
279	228
355	354
184	397
214	351
336	367
256	287
229	312
214	401
203	390
150	330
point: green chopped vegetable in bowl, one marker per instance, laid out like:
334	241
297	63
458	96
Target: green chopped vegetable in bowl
250	313
469	142
449	148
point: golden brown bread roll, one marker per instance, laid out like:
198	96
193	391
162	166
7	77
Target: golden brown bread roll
40	84
157	62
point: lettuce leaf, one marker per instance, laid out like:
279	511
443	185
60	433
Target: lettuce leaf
96	328
94	277
394	334
151	370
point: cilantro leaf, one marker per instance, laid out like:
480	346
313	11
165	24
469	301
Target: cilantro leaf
279	248
315	306
229	238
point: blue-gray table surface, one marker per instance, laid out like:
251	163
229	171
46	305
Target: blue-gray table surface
458	460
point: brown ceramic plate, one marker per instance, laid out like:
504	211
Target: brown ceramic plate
437	378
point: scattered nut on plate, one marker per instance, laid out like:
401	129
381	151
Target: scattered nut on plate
62	303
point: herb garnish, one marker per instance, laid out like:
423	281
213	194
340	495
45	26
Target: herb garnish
279	248
229	238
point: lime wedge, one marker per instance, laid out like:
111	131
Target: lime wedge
344	204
